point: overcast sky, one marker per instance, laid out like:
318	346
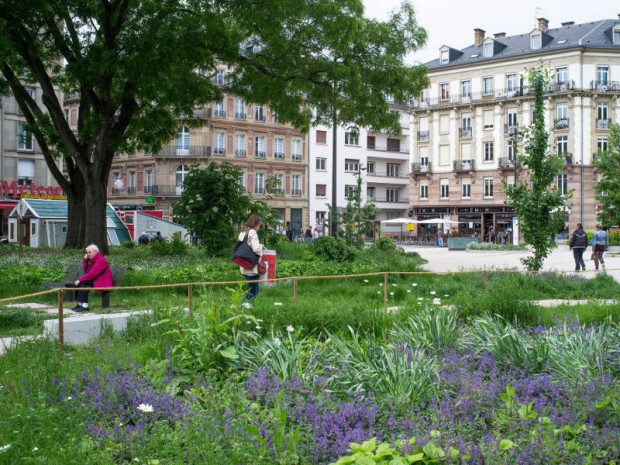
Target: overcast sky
452	22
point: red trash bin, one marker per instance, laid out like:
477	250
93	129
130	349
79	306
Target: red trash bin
269	257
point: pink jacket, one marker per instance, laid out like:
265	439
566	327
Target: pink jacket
100	273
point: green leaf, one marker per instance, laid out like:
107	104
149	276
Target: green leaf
229	353
506	444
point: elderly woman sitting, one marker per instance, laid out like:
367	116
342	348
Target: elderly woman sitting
97	273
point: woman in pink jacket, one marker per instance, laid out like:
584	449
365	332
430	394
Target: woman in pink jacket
97	273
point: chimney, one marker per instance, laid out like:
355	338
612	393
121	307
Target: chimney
478	36
543	24
499	35
570	23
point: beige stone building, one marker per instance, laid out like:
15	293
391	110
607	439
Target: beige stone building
464	127
246	135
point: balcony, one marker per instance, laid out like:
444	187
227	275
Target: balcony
296	192
507	163
463	166
511	129
278	155
148	189
260	118
465	133
259	190
131	190
219	113
116	191
240	116
605	86
603	123
417	168
202	113
394	149
163	190
296	157
561	123
219	151
424	136
260	154
191	151
567	158
564	86
239	153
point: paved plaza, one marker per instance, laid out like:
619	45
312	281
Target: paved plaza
440	259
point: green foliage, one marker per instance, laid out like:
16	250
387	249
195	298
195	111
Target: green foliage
534	199
357	219
608	189
431	329
164	247
337	250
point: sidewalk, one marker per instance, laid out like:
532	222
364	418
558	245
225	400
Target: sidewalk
440	259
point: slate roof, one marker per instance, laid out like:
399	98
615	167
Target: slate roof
50	209
596	34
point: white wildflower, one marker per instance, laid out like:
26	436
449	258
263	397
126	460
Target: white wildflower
290	329
409	290
391	293
433	292
394	284
365	280
277	342
5	448
246	305
414	284
446	295
436	301
147	408
420	298
278	304
34	449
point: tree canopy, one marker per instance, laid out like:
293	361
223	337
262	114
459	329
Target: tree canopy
139	66
608	188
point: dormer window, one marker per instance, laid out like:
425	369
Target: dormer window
487	49
536	40
617	35
444	57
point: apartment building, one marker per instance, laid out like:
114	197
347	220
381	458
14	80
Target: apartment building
381	160
23	170
465	125
243	134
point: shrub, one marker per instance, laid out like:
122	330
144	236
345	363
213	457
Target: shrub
332	249
173	247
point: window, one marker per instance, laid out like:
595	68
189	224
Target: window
350	190
510	149
512	119
148	181
240	108
444	124
423	191
444	189
131	182
242	179
25	140
389	98
278	151
602	111
320	219
370	142
218	79
321	137
444	91
466	122
321	190
561	182
466	88
487	49
602	75
218	143
296	184
488	151
444	57
260	147
561	111
351	138
279	184
601	143
511	82
536	41
25	172
393	145
392	170
561	74
30	91
466	190
240	145
117	182
392	195
182	142
616	35
371	192
351	165
562	145
181	174
488	117
488	187
370	167
487	85
321	164
259	183
259	113
218	109
66	111
296	150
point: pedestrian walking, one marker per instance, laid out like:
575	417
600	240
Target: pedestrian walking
249	234
578	244
599	245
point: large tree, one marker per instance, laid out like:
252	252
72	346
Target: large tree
608	188
535	197
140	65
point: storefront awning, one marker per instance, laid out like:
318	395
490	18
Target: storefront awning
7	204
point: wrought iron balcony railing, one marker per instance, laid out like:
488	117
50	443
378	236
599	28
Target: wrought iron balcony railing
421	168
561	123
190	151
465	132
296	192
165	190
131	190
603	123
241	115
605	86
511	129
259	154
239	153
507	163
463	165
148	189
424	136
202	112
278	155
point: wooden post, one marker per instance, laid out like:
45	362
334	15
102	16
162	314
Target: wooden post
61	324
385	291
486	283
189	298
295	291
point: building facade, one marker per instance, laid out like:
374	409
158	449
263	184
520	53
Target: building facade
381	160
464	127
23	170
243	134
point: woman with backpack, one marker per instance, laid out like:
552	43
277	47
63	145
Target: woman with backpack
578	244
